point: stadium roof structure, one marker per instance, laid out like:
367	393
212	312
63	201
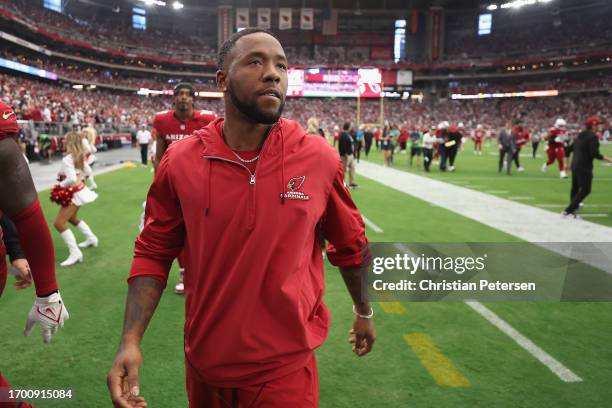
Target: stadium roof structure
341	5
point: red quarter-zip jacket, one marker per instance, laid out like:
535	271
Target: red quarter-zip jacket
254	275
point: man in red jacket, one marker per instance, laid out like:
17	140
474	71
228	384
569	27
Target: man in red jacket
251	198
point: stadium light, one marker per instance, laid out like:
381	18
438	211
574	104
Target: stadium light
492	7
154	2
177	5
520	3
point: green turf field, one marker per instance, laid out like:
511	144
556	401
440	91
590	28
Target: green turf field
473	363
532	187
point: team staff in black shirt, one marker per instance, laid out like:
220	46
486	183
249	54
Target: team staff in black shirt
586	149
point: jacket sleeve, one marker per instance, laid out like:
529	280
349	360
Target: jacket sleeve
161	240
11	239
594	148
344	228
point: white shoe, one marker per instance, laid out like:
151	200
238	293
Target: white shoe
451	168
521	169
179	289
563	174
73	258
89	242
93	185
91	239
75	253
544	166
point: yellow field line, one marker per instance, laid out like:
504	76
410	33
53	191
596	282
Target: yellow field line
437	364
393	307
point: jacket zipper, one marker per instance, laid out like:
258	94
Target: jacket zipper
251	210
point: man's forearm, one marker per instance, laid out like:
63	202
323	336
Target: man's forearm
142	299
355	280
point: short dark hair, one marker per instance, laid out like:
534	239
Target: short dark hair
184	85
346	126
229	44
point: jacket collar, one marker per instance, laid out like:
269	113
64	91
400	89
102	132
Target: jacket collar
214	146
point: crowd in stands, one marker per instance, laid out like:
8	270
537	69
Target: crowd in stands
111	35
84	73
460	46
566	35
601	81
38	101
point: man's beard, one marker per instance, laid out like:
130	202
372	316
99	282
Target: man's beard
252	111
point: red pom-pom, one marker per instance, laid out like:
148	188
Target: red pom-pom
62	195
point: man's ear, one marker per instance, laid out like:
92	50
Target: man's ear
221	81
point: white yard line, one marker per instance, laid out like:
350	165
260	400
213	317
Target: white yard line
561	371
529	223
523	198
372	226
526	222
594	215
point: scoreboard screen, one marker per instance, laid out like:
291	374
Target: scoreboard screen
316	82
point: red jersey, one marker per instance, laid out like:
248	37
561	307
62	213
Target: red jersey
254	274
555	137
8	122
170	129
479	134
522	137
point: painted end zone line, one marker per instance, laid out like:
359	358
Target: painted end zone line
564	373
373	226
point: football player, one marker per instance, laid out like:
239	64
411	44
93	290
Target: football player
176	124
18	199
556	151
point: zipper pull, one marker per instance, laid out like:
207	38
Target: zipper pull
252	182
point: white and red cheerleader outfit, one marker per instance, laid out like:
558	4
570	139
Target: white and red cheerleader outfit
71	189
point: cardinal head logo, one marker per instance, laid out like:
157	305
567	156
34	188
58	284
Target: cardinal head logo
296	183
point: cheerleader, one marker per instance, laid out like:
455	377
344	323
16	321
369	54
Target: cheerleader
89	145
71	193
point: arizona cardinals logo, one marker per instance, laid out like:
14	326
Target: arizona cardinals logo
296	183
293	187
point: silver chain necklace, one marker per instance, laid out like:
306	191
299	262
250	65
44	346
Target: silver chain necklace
246	161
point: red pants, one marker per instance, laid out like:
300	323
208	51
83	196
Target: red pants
299	389
4	394
556	153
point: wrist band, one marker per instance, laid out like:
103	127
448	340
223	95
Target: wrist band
368	316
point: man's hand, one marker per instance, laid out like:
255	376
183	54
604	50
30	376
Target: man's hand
362	336
50	313
24	275
122	379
